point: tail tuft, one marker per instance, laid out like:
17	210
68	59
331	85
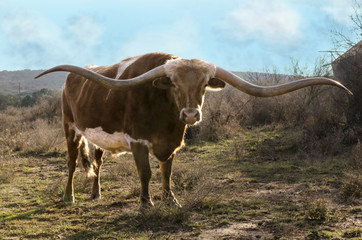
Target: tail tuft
90	172
86	162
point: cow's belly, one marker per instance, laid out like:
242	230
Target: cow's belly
116	142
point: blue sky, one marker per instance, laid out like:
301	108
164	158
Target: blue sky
239	35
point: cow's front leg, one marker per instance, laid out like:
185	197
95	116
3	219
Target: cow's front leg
97	163
140	154
166	172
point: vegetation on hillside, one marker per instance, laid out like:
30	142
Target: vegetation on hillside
26	99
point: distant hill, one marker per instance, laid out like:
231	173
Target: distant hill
9	80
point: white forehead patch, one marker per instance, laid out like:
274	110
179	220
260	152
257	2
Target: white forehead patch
174	65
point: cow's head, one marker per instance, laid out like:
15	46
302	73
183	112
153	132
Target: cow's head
188	80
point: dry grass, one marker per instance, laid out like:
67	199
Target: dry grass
222	196
33	129
38	136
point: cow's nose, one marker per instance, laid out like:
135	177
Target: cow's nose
190	115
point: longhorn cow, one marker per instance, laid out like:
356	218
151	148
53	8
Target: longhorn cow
142	105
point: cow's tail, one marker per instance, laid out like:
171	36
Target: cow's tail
86	160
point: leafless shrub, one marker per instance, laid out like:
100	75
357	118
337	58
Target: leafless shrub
48	108
124	172
55	189
198	189
82	184
352	183
221	114
205	195
352	187
165	214
356	156
185	179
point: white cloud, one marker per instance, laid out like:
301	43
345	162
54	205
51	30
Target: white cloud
35	40
30	36
179	38
339	10
268	21
86	30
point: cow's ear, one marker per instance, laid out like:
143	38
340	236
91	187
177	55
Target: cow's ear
215	84
162	83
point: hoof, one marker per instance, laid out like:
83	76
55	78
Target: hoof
173	203
95	196
145	205
68	199
170	200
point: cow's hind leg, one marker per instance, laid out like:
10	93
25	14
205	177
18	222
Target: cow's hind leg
140	154
72	144
97	163
166	171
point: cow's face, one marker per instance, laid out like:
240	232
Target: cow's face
188	80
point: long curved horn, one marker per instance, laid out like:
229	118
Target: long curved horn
109	82
270	91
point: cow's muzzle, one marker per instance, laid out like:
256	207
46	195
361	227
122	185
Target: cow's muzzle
190	115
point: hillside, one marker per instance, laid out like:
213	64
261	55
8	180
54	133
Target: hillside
9	81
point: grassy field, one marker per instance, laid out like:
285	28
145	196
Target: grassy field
258	184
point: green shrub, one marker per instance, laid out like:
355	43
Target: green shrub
317	211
